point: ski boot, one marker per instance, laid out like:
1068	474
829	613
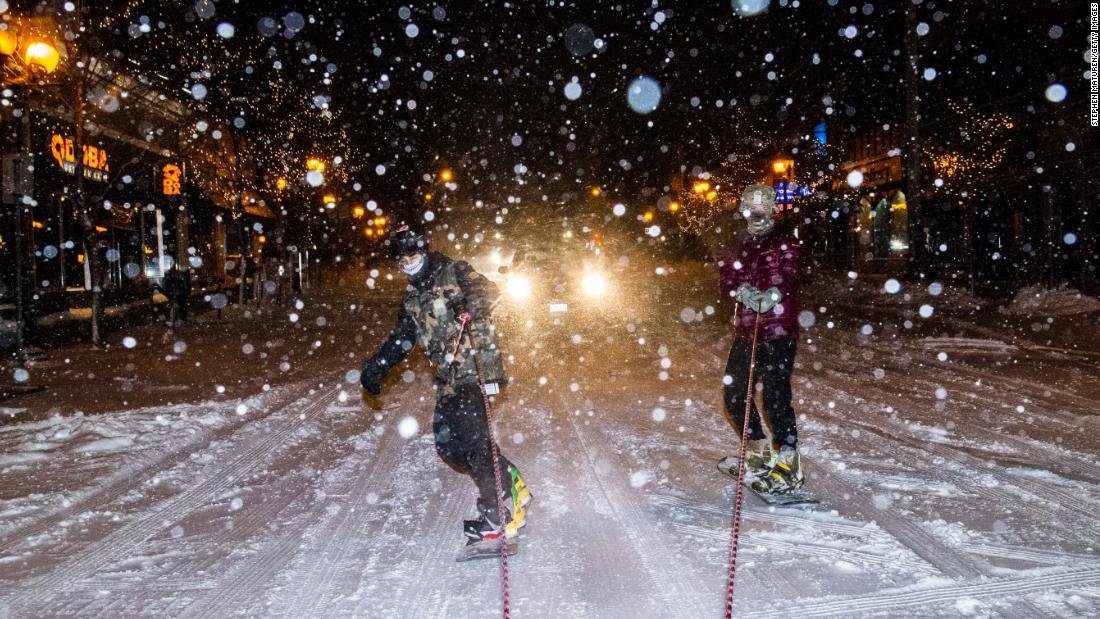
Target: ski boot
516	501
785	477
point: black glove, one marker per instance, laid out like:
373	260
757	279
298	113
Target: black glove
371	377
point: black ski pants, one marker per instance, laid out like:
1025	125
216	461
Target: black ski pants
774	362
462	440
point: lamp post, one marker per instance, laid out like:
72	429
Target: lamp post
34	60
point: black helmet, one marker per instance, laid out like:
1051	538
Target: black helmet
405	242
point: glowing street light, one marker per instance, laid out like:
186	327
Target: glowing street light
358	212
314	164
42	56
446	175
673	206
700	187
596	191
280	183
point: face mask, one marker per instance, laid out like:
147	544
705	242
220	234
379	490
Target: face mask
414	267
760	223
758	213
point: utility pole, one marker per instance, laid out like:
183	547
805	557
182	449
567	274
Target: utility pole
912	148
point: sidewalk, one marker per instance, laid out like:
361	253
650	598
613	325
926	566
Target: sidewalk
252	348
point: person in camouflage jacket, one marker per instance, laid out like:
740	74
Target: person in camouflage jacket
442	292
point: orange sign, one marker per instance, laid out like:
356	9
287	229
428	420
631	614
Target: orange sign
94	158
170	179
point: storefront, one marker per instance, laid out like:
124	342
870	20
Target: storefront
880	235
135	195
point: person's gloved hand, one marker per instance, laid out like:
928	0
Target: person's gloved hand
745	293
371	377
764	302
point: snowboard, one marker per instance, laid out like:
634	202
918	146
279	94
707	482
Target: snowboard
729	466
486	549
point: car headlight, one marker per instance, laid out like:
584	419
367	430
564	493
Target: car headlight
594	284
518	287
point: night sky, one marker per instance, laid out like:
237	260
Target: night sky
481	88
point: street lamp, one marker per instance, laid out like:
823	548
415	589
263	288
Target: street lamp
446	175
42	56
313	164
39	59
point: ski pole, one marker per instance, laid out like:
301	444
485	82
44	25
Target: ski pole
741	472
465	329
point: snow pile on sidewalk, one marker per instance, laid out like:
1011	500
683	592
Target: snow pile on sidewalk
1060	301
868	290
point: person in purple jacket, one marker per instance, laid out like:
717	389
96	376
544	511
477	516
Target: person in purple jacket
763	276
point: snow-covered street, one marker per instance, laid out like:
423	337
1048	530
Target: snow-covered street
955	478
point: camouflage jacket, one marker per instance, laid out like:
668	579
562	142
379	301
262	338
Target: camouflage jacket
429	316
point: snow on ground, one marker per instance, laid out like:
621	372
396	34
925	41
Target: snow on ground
951	484
1051	301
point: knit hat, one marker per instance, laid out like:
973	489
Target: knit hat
406	242
758	198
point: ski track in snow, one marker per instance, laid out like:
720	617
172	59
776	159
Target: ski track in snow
677	583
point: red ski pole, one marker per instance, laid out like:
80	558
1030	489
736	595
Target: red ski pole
465	320
741	473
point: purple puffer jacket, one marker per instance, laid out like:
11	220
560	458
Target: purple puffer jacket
763	262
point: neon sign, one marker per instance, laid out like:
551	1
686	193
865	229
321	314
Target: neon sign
94	158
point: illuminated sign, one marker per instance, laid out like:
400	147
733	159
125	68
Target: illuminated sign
94	158
170	179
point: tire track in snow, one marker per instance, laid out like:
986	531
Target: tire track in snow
1033	555
922	543
1027	389
1071	505
134	476
120	543
951	563
892	600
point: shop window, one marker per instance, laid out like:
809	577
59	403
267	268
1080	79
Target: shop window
884	225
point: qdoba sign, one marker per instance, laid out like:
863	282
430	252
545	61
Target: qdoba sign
94	158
